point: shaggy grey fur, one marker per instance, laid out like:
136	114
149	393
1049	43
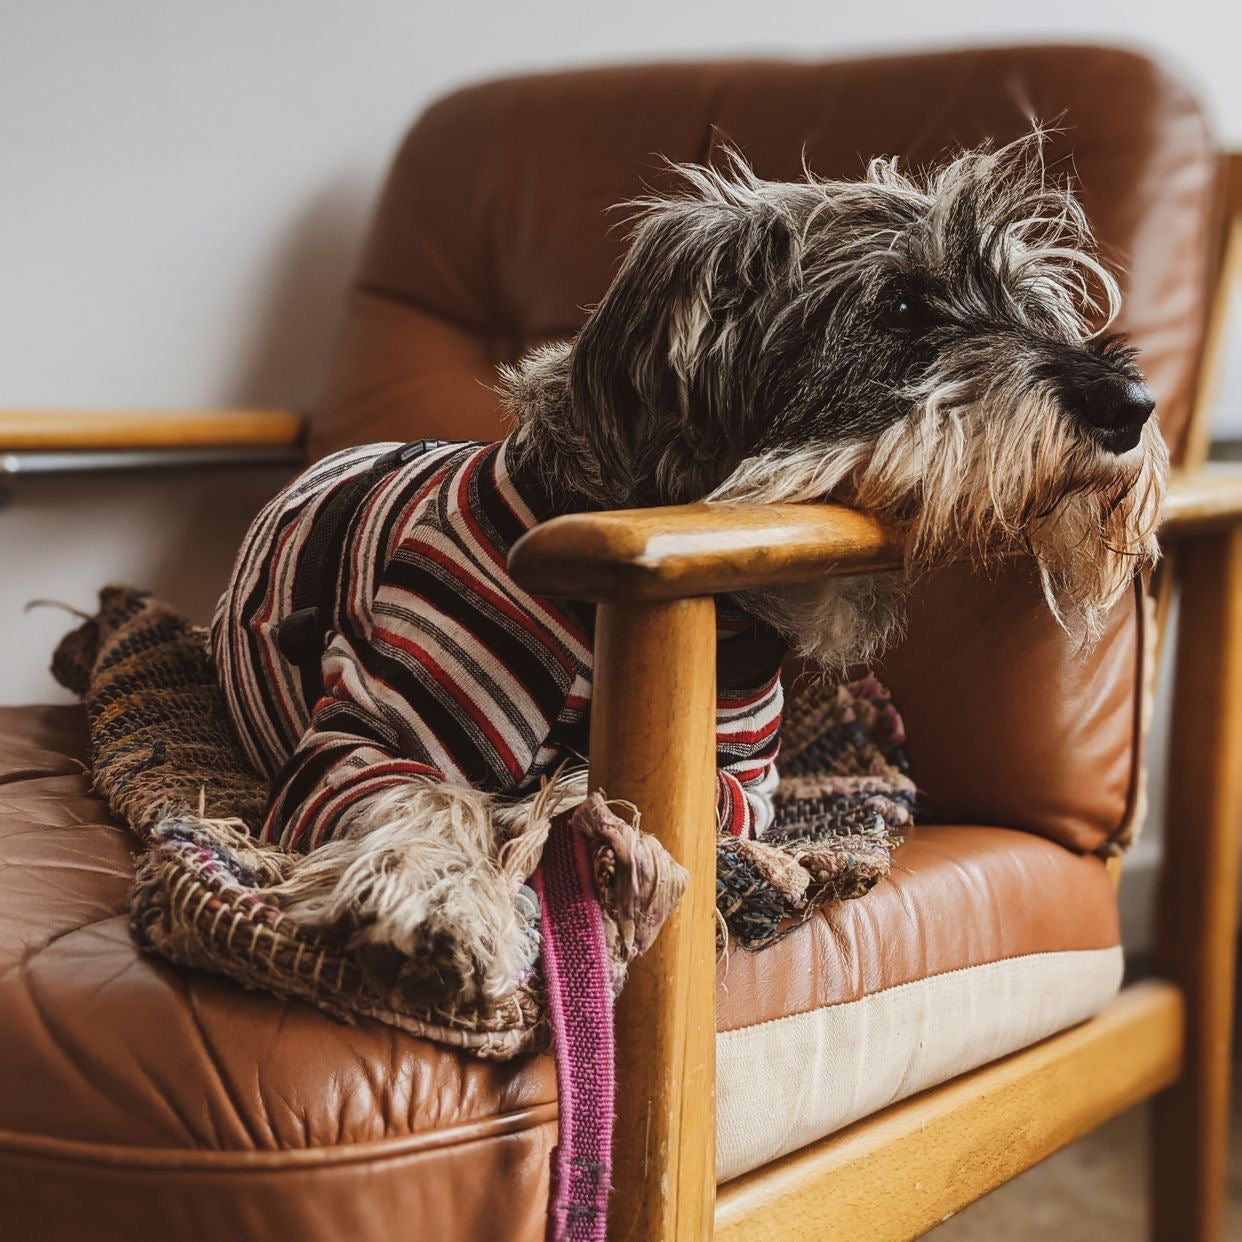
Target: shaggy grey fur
928	347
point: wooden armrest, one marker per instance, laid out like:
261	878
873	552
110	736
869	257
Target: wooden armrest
1208	498
701	549
687	550
78	431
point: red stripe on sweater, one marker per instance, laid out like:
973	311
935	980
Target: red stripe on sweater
751	735
463	496
403	520
461	574
454	691
736	810
729	703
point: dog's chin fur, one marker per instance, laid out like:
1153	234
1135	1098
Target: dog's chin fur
957	484
837	622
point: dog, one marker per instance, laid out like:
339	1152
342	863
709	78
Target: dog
932	348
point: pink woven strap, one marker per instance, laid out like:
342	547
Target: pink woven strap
578	978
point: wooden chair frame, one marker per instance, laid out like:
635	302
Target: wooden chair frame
898	1173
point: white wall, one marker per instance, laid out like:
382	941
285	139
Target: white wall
182	186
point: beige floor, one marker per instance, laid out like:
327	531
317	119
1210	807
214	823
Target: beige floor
1090	1192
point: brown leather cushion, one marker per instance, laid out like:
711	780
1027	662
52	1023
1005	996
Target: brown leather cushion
494	234
140	1101
1009	719
958	897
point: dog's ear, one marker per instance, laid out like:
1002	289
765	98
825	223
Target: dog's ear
656	385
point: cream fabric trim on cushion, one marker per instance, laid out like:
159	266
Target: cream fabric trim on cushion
786	1083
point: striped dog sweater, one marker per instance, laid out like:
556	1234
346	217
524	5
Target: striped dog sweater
437	665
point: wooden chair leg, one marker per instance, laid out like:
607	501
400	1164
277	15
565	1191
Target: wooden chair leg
653	743
1199	890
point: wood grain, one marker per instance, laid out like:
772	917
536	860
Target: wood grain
23	431
686	550
1197	909
1198	901
1209	498
1224	298
898	1173
653	742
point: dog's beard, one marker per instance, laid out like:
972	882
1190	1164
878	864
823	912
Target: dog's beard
1090	543
976	481
849	619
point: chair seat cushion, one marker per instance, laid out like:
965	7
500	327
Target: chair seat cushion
142	1101
982	941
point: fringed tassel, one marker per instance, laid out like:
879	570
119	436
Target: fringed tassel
640	883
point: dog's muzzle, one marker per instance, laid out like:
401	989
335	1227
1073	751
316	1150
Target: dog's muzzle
1115	409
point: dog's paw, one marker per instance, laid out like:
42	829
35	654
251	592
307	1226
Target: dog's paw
413	888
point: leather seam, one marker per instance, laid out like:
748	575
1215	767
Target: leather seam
912	983
292	1160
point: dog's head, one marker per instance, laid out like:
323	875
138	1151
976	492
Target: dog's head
931	348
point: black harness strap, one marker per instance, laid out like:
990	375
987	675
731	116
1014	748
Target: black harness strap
744	661
304	633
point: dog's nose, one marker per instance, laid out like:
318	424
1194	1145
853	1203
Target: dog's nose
1117	410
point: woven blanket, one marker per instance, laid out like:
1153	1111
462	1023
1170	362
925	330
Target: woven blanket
206	891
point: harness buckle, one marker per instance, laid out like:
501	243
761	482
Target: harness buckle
300	637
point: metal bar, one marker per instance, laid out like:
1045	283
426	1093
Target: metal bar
23	465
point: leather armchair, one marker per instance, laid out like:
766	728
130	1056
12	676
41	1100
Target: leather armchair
138	1101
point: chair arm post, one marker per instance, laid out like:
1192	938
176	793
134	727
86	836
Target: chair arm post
1197	914
653	743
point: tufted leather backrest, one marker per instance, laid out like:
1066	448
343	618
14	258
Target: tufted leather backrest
494	234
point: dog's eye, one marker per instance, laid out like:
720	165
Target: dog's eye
903	311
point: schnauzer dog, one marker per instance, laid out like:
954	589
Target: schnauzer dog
928	348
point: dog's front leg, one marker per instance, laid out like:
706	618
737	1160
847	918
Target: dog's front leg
412	882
